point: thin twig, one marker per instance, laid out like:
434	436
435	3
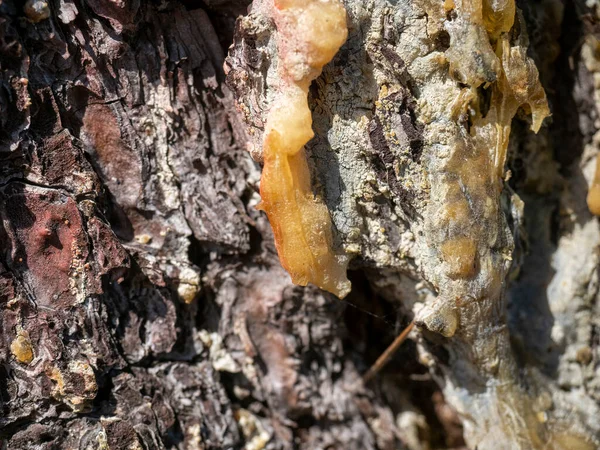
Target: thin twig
389	352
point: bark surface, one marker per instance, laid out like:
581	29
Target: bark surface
142	303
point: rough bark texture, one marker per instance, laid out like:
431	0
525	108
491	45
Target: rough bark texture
142	301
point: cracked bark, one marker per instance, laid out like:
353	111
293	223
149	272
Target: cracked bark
142	302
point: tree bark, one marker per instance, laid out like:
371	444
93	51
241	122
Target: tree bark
142	301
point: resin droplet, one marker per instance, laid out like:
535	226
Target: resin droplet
310	34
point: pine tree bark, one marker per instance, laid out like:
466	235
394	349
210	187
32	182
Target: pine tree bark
142	303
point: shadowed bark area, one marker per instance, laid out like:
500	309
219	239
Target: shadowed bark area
142	303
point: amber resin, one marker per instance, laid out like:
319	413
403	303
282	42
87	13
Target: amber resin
473	175
21	347
590	54
593	197
309	35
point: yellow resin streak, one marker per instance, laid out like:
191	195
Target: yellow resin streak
310	34
473	174
593	197
591	56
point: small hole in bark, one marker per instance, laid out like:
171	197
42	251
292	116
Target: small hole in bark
46	437
485	99
442	41
199	166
